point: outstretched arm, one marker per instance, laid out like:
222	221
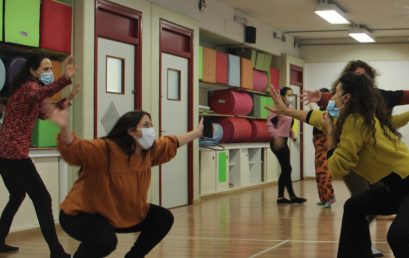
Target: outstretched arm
282	109
190	136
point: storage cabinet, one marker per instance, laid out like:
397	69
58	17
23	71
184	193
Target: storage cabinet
22	22
214	171
247	164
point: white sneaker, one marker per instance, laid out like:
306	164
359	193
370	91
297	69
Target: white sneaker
376	253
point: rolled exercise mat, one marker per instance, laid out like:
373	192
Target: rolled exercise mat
246	73
217	132
209	65
259	131
235	129
2	74
234	70
260	80
14	66
231	102
275	77
221	68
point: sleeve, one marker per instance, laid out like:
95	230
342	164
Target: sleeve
80	152
40	92
400	120
392	98
325	97
405	98
345	156
314	118
164	149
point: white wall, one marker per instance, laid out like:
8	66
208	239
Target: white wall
393	75
219	19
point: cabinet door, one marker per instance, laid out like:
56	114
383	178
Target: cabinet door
207	172
22	22
222	182
245	169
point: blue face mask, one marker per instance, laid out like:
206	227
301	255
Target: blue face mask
47	77
332	108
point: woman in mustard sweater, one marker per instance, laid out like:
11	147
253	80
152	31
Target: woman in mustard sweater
110	195
363	138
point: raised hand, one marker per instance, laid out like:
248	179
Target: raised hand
280	106
59	116
69	67
309	96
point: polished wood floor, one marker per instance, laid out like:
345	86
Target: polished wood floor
243	224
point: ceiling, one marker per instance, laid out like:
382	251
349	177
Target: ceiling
388	20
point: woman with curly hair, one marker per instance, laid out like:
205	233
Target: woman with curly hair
363	138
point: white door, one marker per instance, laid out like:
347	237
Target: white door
116	77
295	147
174	80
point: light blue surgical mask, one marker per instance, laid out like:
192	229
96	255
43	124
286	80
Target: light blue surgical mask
47	77
332	108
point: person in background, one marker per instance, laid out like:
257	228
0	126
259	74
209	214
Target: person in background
355	183
363	138
31	86
110	195
280	129
322	175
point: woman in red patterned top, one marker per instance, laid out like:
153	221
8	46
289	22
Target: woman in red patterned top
31	86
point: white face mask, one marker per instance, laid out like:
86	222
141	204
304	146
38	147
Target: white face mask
290	100
148	137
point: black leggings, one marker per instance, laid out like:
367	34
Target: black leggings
97	235
21	177
284	181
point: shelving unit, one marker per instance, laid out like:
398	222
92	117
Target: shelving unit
249	163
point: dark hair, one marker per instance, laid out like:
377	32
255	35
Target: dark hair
355	64
284	90
324	90
119	133
32	62
365	101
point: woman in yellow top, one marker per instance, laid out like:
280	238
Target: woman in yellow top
110	195
363	138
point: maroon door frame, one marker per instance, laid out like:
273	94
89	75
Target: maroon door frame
297	79
123	24
177	40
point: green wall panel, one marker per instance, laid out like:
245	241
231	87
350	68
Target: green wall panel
22	22
1	20
45	134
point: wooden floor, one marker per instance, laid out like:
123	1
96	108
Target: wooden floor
244	224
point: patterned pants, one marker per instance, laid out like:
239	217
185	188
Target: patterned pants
322	175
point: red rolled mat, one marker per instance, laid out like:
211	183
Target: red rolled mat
235	129
231	102
259	131
221	68
260	80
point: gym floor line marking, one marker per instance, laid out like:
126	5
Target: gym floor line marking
269	249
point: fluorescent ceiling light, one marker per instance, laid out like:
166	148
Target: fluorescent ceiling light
361	35
331	13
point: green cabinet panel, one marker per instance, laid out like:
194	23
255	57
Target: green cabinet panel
45	134
22	22
222	166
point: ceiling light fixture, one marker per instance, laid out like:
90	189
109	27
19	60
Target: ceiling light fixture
362	35
331	13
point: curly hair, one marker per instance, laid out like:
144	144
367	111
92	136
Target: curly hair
365	101
352	66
